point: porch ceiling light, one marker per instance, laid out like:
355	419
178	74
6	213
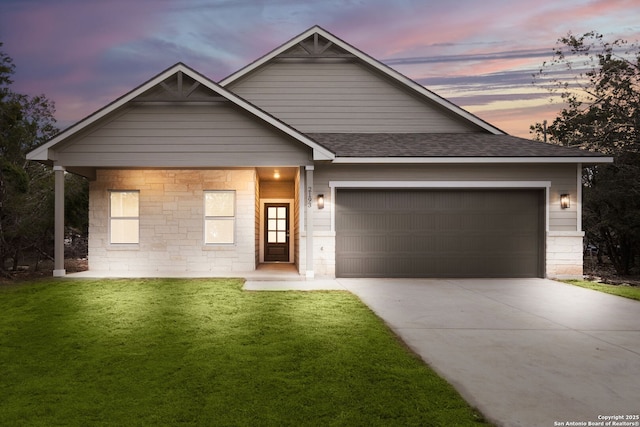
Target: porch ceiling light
320	201
565	201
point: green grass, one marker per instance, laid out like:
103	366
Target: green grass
204	352
632	292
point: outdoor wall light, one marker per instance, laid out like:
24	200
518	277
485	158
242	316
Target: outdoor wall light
564	201
320	201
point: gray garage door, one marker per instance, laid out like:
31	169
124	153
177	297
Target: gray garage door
459	233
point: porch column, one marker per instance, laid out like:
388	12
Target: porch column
579	198
58	264
309	202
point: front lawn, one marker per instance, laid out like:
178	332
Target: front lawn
203	352
626	291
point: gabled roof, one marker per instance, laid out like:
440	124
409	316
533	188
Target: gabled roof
490	145
448	147
369	61
42	153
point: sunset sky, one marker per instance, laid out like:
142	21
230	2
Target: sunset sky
479	54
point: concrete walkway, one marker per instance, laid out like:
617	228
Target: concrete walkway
525	352
274	272
293	285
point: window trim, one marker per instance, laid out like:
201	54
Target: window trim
231	218
131	218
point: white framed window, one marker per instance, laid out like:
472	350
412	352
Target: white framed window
219	217
124	216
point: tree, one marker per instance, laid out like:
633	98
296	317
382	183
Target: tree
26	188
599	84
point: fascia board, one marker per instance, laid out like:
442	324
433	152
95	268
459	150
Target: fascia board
39	153
486	160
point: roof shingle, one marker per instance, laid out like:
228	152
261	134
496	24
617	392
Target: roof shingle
441	145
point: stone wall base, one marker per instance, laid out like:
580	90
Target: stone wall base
324	254
564	255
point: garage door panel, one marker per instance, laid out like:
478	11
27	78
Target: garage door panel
357	244
355	223
459	233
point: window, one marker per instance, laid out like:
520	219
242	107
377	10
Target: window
219	217
277	226
124	217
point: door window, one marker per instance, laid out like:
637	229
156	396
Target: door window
276	224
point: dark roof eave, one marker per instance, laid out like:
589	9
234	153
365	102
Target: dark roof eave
473	159
477	146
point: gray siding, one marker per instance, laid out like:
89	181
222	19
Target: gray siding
182	135
340	96
563	179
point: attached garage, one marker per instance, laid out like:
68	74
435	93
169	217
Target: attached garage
440	233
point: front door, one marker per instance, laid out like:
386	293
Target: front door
276	224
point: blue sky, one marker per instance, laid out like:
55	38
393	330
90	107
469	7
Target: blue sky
479	54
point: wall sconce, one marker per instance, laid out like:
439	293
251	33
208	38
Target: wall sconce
565	201
320	201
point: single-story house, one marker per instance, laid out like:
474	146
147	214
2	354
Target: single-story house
321	156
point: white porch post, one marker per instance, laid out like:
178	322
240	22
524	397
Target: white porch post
579	198
309	203
58	264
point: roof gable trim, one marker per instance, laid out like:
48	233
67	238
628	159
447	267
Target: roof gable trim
42	153
475	160
372	62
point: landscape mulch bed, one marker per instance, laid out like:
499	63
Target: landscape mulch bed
45	269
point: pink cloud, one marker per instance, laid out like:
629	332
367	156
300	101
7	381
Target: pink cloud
83	54
81	27
70	38
516	121
58	48
558	18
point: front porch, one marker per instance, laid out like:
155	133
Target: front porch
170	215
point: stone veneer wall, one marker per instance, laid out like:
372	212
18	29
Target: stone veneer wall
324	253
172	222
565	254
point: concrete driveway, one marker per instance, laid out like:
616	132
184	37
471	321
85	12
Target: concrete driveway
525	352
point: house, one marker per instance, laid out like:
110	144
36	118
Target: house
321	156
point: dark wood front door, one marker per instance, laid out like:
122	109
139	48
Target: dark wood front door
276	232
